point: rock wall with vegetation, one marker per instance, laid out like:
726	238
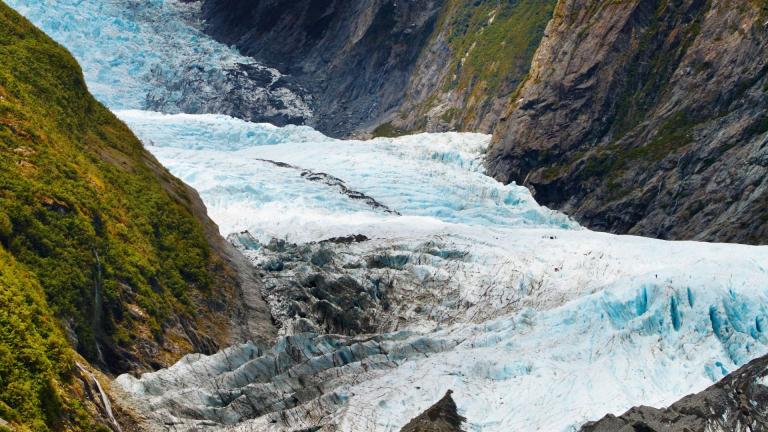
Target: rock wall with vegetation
391	67
476	60
103	254
642	116
354	57
647	117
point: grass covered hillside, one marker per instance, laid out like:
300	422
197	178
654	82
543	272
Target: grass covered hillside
101	249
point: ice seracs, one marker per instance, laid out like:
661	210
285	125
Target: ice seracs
396	268
533	322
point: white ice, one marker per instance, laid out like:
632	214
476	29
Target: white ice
600	322
132	51
429	177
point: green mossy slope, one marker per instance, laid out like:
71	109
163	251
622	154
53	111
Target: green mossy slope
479	55
98	242
36	363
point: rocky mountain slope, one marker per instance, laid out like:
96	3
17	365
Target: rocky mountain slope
101	249
738	403
390	65
354	57
440	417
647	117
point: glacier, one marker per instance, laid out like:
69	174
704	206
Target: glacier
534	322
151	54
394	267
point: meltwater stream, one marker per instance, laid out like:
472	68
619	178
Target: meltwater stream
395	268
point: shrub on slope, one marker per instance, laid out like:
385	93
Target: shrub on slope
101	246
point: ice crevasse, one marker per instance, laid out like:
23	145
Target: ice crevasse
534	322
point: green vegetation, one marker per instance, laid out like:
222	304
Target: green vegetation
388	130
650	68
673	134
90	225
36	362
492	44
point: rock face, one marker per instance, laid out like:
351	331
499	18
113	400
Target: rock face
642	117
355	57
647	117
478	56
440	417
389	65
738	403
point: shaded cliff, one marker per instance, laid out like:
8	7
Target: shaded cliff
389	66
738	403
354	57
647	117
101	249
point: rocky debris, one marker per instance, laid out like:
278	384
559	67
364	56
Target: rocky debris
335	182
440	417
648	118
357	238
353	286
738	403
247	91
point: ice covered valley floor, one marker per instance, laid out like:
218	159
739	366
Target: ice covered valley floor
397	270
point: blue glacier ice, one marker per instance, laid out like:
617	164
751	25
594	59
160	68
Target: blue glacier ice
151	53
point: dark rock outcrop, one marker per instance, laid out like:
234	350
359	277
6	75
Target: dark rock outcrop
391	67
644	117
738	403
247	91
647	117
355	58
440	417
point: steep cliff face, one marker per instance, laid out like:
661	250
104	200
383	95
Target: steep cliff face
388	66
101	249
354	57
647	117
475	61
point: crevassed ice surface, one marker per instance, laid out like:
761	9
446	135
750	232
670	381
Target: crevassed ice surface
431	177
552	325
140	53
535	323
